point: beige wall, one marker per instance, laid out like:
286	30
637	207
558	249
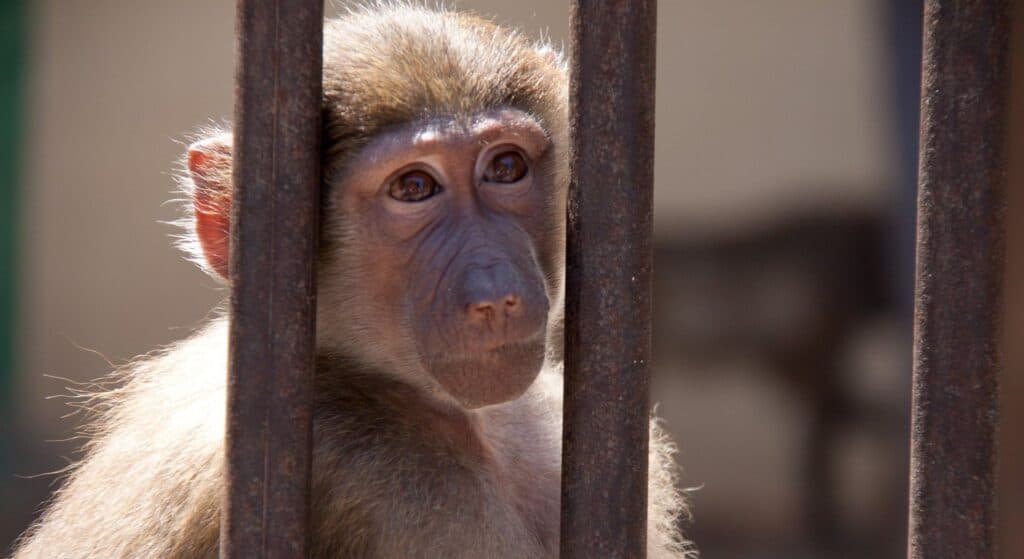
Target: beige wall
112	85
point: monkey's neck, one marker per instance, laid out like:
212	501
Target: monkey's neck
398	408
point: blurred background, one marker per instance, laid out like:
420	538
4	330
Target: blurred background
786	158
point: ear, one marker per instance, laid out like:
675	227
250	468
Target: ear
209	166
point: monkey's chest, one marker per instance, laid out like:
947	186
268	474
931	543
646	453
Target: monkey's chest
405	497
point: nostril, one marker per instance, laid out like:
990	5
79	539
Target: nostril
488	311
482	311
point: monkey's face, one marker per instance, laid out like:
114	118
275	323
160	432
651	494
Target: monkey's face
442	239
437	254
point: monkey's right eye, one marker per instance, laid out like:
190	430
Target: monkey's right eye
414	186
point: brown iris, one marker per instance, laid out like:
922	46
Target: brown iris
506	167
414	186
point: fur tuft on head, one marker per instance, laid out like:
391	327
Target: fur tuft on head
388	64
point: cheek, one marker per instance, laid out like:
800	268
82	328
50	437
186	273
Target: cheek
380	283
546	229
362	291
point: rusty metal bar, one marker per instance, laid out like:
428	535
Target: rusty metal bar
273	290
959	273
608	280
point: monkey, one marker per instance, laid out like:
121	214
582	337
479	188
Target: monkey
437	413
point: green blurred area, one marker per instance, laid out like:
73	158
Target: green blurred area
12	44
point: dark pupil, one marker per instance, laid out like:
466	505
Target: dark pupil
415	186
508	167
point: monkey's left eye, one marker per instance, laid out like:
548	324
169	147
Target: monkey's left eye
414	186
506	167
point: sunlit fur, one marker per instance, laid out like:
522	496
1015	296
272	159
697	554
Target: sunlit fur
152	479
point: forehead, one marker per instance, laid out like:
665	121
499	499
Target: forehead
435	133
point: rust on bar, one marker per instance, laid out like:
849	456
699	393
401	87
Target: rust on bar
273	265
608	280
960	253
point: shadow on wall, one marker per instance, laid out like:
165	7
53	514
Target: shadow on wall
781	368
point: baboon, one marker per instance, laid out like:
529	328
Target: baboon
437	426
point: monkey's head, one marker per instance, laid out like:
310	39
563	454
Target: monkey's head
444	179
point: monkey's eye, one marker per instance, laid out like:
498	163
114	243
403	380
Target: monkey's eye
414	186
506	167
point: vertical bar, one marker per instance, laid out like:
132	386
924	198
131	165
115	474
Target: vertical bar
1010	469
959	272
608	280
273	256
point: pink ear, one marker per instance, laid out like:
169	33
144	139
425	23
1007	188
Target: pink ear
209	165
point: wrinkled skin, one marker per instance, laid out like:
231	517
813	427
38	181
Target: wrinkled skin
459	281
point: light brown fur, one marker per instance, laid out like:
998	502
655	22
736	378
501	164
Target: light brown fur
399	469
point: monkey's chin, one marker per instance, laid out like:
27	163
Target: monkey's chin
491	377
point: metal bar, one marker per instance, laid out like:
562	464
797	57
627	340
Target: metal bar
960	256
608	280
273	289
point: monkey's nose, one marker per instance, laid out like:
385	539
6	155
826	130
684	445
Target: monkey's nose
500	304
494	311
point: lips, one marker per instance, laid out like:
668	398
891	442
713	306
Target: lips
490	377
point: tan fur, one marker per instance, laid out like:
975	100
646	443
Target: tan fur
396	473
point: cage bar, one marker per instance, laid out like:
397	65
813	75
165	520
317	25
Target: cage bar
608	280
273	290
960	252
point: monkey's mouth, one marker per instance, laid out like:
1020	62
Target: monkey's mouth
492	376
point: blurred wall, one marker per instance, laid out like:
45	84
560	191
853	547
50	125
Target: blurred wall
764	109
